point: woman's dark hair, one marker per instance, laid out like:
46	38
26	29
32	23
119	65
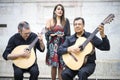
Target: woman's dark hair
22	25
79	18
62	17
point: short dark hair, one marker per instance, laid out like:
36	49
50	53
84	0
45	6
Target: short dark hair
79	18
22	25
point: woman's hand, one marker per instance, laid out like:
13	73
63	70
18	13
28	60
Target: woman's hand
53	34
60	35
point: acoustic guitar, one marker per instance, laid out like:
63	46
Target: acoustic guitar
75	61
25	63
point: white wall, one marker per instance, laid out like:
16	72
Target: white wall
36	12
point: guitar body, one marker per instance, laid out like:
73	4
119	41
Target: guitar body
23	63
71	62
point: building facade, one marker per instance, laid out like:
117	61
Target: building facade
37	12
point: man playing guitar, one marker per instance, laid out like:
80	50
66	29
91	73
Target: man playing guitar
69	47
20	39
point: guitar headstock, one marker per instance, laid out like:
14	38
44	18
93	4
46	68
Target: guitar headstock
43	30
108	19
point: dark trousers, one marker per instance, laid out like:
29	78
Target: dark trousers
33	70
83	73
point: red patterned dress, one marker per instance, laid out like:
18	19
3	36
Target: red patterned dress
54	42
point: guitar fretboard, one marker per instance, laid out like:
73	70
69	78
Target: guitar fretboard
33	43
90	37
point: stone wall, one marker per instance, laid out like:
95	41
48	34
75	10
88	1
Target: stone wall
37	12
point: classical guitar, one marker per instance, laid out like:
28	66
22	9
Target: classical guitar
75	61
25	63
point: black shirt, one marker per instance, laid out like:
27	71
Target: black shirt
96	42
17	40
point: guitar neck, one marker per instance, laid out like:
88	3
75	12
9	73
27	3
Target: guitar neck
89	38
108	19
35	40
33	43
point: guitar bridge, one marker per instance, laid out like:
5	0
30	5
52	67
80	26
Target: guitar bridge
73	57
